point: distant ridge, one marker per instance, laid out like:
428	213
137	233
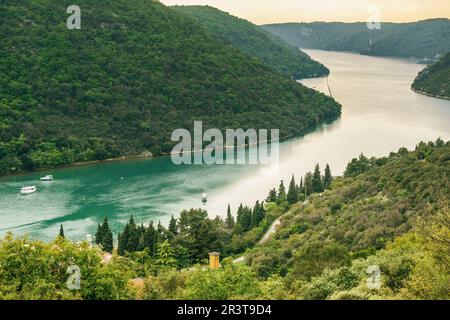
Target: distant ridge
425	39
256	42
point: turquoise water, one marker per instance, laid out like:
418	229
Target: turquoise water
380	114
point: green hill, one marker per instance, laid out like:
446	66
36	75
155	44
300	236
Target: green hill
434	80
135	72
423	39
383	212
256	42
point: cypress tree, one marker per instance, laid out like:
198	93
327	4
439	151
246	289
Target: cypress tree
173	228
258	214
230	219
307	185
149	238
133	236
120	245
281	193
292	195
61	231
244	218
108	242
161	232
99	235
316	183
327	177
104	236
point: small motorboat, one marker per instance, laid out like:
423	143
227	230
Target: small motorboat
204	198
28	190
48	177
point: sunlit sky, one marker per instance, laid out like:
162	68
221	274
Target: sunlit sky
270	11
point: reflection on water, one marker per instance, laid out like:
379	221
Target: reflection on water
380	114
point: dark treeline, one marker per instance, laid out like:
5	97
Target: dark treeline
189	238
311	183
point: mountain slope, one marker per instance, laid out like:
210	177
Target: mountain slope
434	80
256	42
326	244
135	72
423	39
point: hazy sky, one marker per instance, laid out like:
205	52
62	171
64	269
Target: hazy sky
268	11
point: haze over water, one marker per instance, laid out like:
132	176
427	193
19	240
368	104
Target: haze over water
380	114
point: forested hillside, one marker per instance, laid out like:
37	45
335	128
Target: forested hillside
136	71
257	42
387	214
435	79
422	39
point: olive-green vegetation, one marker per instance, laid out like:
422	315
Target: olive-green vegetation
256	42
423	39
135	72
434	80
389	214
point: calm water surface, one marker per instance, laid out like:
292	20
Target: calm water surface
380	114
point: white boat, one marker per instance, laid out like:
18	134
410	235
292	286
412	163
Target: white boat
48	177
27	190
204	198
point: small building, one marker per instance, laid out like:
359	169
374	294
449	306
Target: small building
214	261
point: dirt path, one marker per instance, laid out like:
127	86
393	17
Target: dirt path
266	237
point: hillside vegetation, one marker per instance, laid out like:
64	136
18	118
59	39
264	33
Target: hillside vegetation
423	39
135	72
434	80
388	215
256	42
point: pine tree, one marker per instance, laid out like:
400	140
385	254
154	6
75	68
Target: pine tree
173	228
316	183
230	219
165	255
327	177
61	231
272	197
292	195
281	193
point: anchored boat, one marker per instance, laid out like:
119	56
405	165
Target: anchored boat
47	178
28	190
204	198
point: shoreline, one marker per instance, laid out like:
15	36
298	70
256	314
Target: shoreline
429	94
150	156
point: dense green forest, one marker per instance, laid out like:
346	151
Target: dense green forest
256	42
435	79
426	39
389	214
136	71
